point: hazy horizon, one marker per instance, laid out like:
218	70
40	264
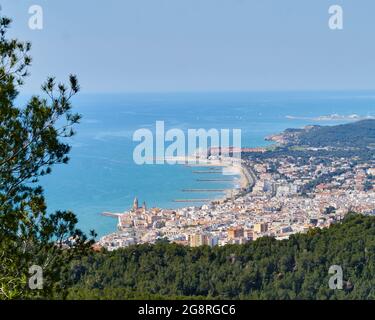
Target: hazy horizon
209	46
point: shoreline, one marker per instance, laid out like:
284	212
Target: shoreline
229	169
243	180
238	172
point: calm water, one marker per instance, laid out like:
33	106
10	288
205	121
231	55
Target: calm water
102	176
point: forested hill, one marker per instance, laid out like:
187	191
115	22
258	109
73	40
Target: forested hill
358	134
264	269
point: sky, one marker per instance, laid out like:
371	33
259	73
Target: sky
119	46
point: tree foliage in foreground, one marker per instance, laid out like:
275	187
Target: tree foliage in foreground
264	269
31	142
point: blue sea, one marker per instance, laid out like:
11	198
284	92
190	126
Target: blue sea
102	176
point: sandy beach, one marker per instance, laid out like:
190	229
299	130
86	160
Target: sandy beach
229	168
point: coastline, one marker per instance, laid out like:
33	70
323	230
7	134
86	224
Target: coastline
102	175
243	181
237	171
227	219
230	168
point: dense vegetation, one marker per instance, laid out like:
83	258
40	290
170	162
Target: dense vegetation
264	269
303	156
357	134
31	143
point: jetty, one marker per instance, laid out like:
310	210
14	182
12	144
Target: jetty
205	165
111	214
203	190
208	171
214	180
192	200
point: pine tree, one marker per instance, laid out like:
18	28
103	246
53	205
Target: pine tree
31	142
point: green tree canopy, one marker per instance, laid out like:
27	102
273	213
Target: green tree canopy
32	140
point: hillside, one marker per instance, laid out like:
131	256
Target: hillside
264	269
355	135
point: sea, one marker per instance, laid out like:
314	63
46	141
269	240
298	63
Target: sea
103	177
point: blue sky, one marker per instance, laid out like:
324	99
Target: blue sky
200	45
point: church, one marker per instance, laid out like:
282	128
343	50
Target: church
136	207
